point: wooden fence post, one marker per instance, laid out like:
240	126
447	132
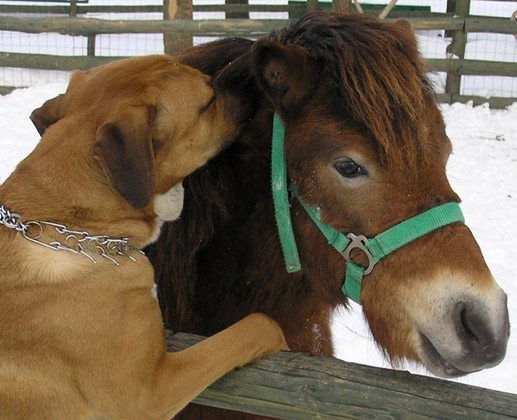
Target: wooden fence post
457	46
451	9
342	6
73	8
237	14
312	5
177	9
91	46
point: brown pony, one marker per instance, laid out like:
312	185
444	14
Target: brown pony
366	143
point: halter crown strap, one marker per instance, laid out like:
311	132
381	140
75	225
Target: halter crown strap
281	199
375	248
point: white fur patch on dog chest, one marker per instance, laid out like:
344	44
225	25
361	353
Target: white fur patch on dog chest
168	206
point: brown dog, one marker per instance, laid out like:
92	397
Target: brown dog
81	335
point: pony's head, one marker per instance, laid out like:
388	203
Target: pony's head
366	144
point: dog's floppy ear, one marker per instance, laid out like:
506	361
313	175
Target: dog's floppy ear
124	149
46	115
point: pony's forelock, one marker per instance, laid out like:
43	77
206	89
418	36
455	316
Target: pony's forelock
378	73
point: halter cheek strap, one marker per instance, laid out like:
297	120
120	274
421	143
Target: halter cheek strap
375	248
281	199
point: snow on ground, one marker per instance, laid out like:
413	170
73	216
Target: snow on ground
482	170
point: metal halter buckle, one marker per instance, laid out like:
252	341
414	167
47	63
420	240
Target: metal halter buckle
359	242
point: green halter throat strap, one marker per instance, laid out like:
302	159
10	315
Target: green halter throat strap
375	248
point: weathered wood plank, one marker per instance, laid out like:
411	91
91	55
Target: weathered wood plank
312	5
457	47
473	67
302	387
85	27
246	8
494	101
5	90
174	42
73	8
430	23
83	9
98	26
483	68
52	62
298	7
493	25
71	26
89	26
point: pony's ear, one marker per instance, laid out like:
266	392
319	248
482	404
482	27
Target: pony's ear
47	114
286	74
123	147
403	24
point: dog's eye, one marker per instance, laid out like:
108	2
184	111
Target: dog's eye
205	107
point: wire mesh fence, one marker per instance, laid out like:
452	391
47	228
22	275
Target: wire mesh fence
433	43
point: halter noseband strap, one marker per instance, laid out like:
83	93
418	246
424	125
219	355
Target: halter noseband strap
384	243
375	248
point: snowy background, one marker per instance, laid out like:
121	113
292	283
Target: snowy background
482	170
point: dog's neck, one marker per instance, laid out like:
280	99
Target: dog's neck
58	237
70	188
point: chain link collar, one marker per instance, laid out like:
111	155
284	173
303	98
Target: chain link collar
76	242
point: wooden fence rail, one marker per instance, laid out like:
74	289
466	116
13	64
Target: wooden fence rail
141	9
90	28
302	387
85	27
67	63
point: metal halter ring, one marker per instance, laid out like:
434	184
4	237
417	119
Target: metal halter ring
359	242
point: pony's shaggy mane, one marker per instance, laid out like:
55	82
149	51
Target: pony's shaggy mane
378	71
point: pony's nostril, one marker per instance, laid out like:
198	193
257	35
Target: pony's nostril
474	336
472	327
465	323
479	340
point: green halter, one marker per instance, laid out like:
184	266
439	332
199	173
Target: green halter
375	248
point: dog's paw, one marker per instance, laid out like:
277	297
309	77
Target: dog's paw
268	332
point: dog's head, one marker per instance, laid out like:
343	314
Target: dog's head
150	122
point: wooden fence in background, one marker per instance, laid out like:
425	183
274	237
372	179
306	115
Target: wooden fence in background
457	24
302	387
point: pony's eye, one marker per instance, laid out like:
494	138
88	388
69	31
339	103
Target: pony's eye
349	169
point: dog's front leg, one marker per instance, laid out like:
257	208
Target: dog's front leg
184	375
